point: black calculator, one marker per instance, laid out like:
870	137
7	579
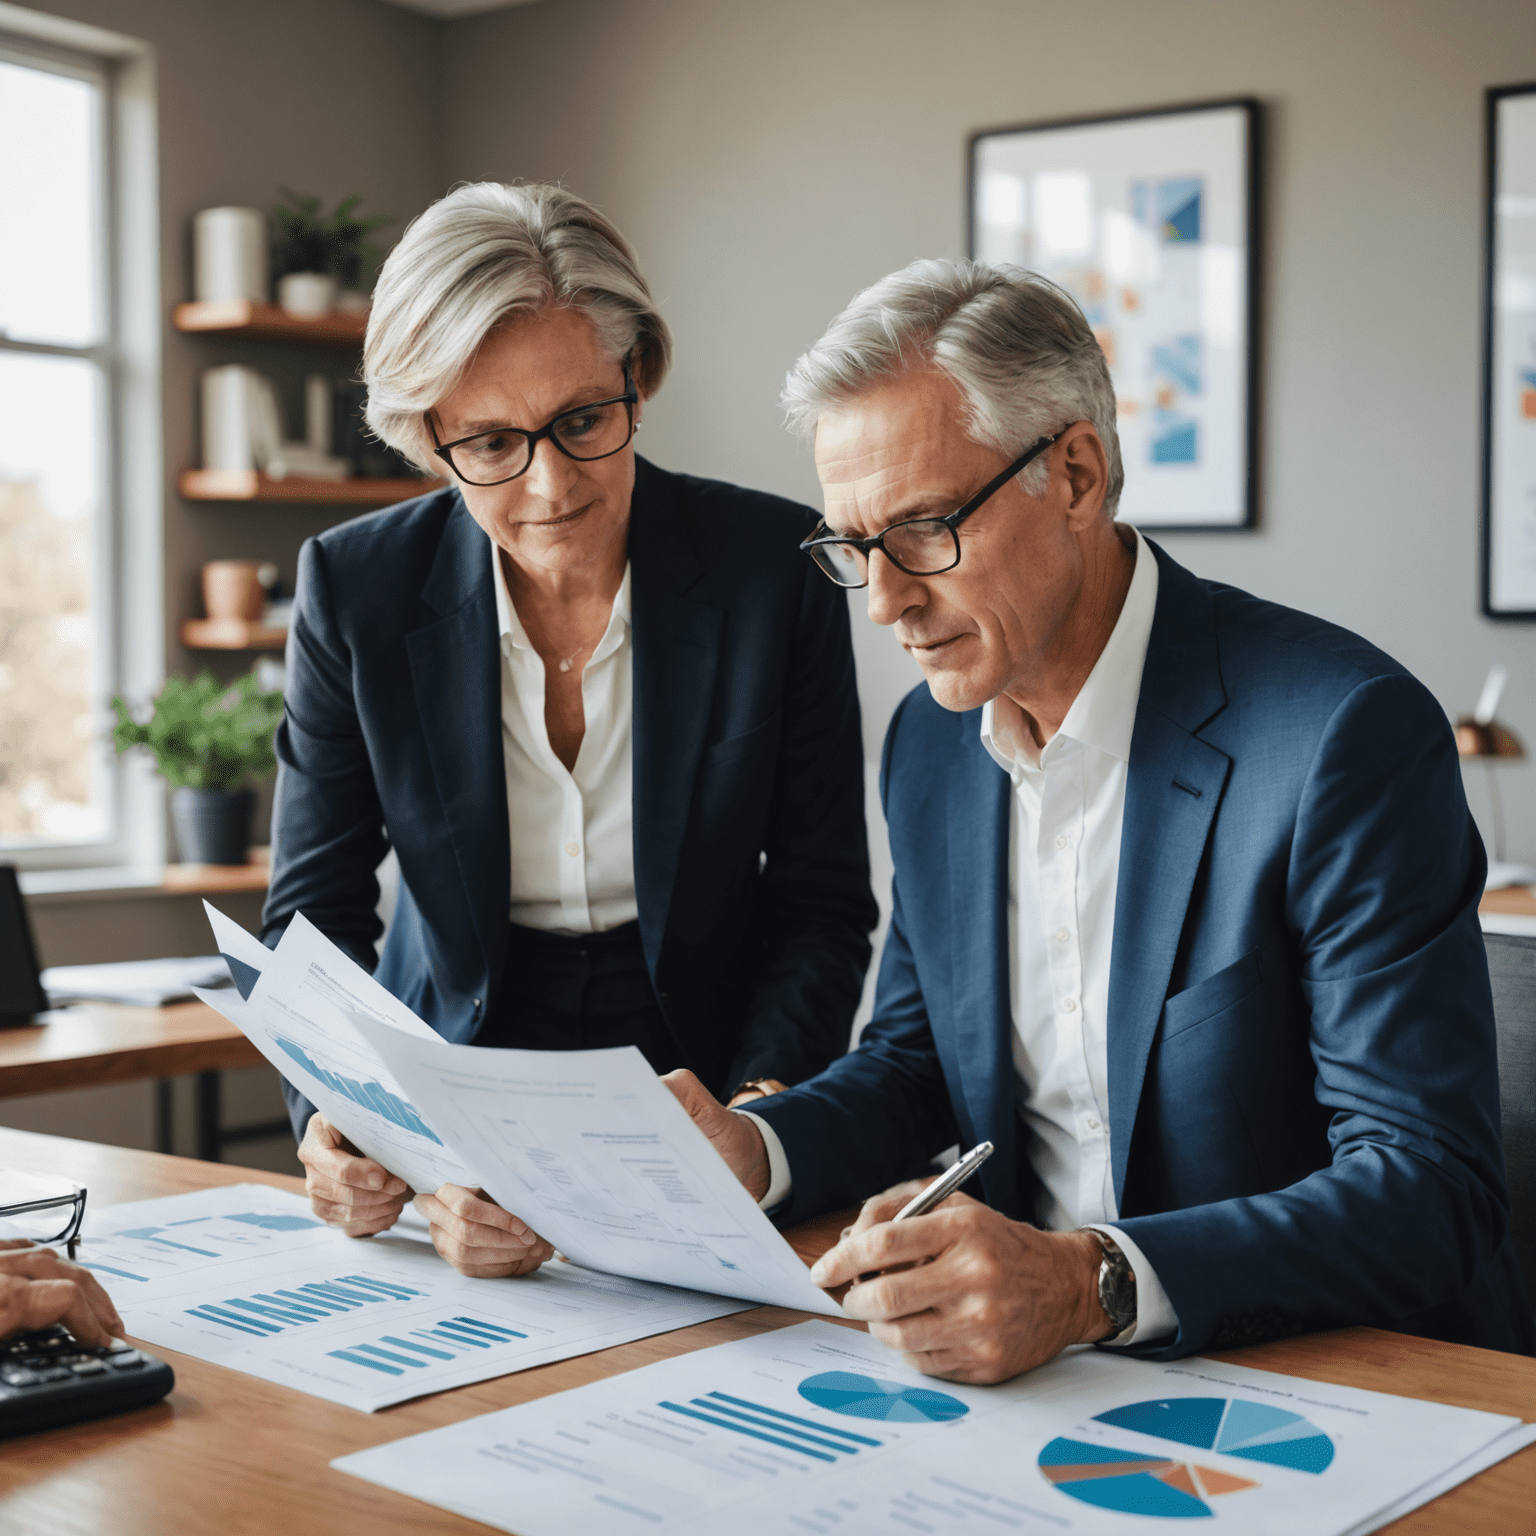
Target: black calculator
48	1378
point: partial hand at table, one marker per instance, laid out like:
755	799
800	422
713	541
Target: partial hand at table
733	1136
38	1288
346	1189
964	1292
478	1237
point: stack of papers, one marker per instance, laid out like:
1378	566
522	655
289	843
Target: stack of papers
247	1277
590	1148
817	1429
142	983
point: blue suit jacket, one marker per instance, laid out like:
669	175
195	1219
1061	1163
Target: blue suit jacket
1303	1089
751	866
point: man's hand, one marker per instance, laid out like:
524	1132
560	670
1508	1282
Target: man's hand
733	1136
976	1297
479	1238
347	1190
37	1288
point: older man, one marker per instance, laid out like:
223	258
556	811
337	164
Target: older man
1185	907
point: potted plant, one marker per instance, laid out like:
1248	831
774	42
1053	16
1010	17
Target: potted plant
313	254
207	739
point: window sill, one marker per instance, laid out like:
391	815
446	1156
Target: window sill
45	887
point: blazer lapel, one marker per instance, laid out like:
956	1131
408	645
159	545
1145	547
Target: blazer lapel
456	675
676	650
981	1002
1173	787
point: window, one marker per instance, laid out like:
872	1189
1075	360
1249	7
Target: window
58	368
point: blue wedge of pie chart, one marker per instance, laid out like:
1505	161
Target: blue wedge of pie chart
1253	1431
867	1397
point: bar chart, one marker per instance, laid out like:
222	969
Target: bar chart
788	1431
269	1312
367	1092
449	1338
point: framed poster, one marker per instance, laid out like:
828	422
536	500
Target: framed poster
1509	358
1150	221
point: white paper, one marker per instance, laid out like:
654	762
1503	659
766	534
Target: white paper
139	983
591	1149
819	1429
236	944
247	1277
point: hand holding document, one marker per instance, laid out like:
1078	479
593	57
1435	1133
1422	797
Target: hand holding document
589	1148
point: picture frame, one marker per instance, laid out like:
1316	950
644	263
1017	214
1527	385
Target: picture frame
1151	221
1509	356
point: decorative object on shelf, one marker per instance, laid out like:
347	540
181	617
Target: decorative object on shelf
242	430
207	739
354	441
234	589
1509	357
1479	735
314	256
1150	220
244	613
229	256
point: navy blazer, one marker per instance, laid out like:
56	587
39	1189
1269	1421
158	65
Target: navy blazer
1303	1088
751	864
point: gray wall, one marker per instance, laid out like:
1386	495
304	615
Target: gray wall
768	161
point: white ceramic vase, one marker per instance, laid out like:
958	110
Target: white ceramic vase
307	295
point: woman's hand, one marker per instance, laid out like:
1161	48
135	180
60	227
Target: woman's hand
479	1238
38	1288
345	1189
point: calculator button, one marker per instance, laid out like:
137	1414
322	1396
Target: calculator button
88	1368
18	1375
130	1361
55	1373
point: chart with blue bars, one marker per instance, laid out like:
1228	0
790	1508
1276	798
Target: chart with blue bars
203	1237
368	1092
396	1354
275	1311
809	1438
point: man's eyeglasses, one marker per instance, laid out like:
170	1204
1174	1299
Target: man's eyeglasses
596	431
923	546
41	1209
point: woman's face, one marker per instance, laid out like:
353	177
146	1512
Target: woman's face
560	515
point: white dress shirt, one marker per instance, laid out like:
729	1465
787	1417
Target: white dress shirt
1064	859
572	837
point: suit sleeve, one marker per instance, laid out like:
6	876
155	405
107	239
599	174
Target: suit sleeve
879	1113
1385	874
815	909
327	825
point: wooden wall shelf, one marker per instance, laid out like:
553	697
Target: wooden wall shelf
211	879
266	322
231	635
250	485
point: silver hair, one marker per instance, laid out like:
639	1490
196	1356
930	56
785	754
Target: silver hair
1018	348
484	252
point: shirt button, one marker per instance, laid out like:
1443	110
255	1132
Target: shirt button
1061	841
1062	935
1069	1005
1092	1122
573	849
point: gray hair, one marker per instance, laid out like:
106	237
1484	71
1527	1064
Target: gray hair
484	252
1017	347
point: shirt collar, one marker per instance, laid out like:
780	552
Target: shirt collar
1103	715
510	627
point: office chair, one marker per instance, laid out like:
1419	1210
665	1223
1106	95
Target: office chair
1512	969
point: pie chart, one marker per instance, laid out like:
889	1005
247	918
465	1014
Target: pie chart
867	1397
1167	1486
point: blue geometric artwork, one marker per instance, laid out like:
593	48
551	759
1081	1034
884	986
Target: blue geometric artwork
1178	209
1179	361
1175	438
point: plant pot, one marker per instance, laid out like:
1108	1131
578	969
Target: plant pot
232	589
213	826
307	295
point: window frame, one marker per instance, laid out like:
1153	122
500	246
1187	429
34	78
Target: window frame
127	537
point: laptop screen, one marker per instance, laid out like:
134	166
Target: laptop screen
21	993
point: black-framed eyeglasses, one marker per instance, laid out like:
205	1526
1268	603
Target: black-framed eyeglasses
587	432
922	546
41	1210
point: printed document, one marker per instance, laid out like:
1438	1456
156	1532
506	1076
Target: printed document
247	1277
817	1429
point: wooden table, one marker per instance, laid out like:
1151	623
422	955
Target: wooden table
231	1455
93	1044
1513	900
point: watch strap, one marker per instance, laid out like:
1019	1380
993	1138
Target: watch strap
1117	1287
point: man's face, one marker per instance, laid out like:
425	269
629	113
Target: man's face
985	627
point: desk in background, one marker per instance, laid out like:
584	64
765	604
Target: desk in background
229	1455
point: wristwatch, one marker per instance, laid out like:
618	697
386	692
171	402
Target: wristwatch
1117	1287
759	1087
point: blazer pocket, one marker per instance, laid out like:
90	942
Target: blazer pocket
755	740
1214	995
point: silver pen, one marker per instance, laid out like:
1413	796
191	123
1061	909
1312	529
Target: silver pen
946	1184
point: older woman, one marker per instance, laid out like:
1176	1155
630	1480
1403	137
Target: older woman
604	714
